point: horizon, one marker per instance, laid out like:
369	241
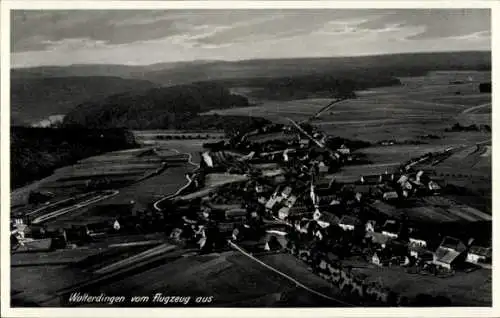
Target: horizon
148	37
248	60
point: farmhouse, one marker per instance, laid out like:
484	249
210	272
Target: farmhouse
390	229
286	192
323	168
291	201
371	179
417	238
327	219
378	239
344	150
381	258
479	254
283	213
421	253
348	223
449	253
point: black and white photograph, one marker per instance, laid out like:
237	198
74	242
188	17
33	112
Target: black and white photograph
249	158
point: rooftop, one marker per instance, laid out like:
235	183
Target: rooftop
480	250
349	220
453	243
446	256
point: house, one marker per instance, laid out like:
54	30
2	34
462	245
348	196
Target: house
344	150
378	238
270	203
371	179
286	192
326	219
291	201
387	177
390	195
417	238
370	226
420	253
283	213
381	258
433	186
262	200
449	253
479	254
362	188
323	168
259	188
304	142
348	223
390	229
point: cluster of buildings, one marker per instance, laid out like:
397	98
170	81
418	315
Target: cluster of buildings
293	197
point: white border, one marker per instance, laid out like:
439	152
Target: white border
6	311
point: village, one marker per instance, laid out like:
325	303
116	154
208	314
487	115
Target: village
273	195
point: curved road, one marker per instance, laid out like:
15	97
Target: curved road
471	109
189	180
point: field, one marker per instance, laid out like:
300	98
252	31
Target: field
138	174
234	279
422	104
218	179
467	289
119	168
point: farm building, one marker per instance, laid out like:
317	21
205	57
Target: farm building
378	239
371	179
421	253
418	238
286	192
348	223
370	226
327	219
381	258
344	150
283	213
449	253
323	168
390	229
479	254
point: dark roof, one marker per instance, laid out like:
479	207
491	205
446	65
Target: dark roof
372	179
329	217
349	220
362	188
388	177
480	250
453	243
418	235
391	227
446	256
378	238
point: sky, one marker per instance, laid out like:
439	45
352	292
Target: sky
157	36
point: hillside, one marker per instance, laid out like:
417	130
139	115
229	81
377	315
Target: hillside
166	107
40	92
37	152
187	72
34	99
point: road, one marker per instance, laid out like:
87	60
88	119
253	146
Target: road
474	108
72	208
189	180
291	279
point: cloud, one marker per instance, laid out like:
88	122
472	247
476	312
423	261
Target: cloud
145	37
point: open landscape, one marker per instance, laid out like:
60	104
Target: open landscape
279	180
